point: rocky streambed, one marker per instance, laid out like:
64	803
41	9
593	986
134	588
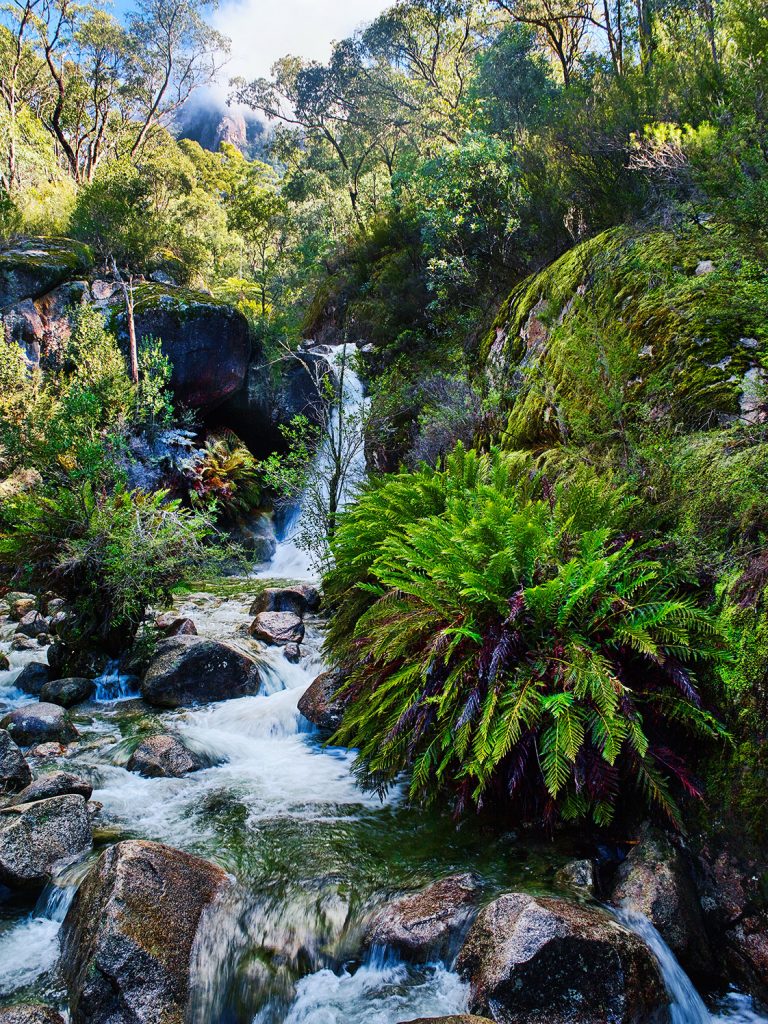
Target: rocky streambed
186	848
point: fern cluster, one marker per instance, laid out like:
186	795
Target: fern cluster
504	641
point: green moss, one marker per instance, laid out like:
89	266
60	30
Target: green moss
635	336
34	266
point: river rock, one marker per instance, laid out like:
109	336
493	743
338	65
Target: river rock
32	624
15	773
54	784
191	669
30	1013
33	678
171	624
39	723
35	837
577	874
128	936
292	653
461	1018
68	692
22	606
277	628
539	960
321	703
5	663
656	880
207	342
299	600
163	756
21	642
428	924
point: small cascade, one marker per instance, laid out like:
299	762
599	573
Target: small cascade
686	1005
30	948
113	685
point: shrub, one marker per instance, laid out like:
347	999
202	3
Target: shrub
505	642
110	556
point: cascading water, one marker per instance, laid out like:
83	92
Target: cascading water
686	1005
313	855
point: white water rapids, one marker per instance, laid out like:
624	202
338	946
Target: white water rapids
312	852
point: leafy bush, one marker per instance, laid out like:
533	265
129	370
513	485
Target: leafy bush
505	642
227	478
110	556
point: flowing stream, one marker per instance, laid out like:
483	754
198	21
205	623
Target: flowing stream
313	854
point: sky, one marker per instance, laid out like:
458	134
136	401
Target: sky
263	30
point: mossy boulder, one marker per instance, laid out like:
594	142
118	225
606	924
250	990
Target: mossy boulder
207	341
127	938
32	267
625	332
34	837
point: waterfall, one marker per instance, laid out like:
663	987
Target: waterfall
291	561
686	1005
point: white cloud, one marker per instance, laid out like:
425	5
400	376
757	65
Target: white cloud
264	30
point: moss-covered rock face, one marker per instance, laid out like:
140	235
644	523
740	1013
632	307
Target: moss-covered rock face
634	328
34	266
207	341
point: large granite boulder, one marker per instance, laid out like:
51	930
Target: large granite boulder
39	723
539	960
191	669
733	888
128	936
30	1013
322	704
277	628
163	756
428	924
272	396
33	678
68	692
207	341
15	773
54	784
300	599
31	267
32	624
35	837
656	880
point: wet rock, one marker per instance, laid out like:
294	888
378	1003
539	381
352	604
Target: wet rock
733	888
704	267
299	600
171	624
33	678
15	773
35	837
54	605
4	662
30	1013
163	756
577	874
128	936
537	960
207	341
32	623
44	751
31	267
321	704
22	606
68	692
54	784
656	880
191	669
277	628
427	924
57	623
461	1018
292	653
39	723
256	536
24	643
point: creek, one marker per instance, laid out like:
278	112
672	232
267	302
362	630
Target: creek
313	854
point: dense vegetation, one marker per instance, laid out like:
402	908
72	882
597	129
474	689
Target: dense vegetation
546	222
